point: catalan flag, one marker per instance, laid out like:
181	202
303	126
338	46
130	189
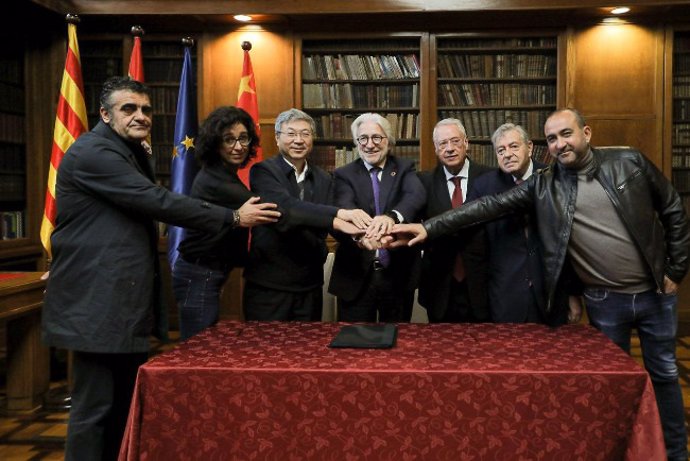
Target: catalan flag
183	168
247	100
70	123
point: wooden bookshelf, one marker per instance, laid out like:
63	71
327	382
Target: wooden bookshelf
343	78
486	81
13	159
680	129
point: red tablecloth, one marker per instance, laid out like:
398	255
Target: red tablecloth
275	391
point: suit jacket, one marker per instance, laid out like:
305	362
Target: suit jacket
400	190
103	279
439	256
515	268
290	255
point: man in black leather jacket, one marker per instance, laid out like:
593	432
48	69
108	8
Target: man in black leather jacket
623	226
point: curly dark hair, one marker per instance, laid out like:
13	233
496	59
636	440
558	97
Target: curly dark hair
211	134
118	83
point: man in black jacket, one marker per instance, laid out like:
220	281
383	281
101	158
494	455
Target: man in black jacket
625	230
104	282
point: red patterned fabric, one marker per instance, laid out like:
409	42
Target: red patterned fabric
275	391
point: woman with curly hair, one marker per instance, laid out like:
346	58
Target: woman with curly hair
227	141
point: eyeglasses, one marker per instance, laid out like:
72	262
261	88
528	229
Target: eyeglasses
292	135
376	139
513	148
446	142
243	140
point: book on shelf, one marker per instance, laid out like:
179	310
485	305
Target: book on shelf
12	225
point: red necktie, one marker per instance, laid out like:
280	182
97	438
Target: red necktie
456	201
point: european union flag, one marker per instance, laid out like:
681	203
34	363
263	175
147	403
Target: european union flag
184	167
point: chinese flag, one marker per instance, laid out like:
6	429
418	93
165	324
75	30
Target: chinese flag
136	62
70	123
246	99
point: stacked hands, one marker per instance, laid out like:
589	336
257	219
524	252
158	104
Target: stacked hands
378	232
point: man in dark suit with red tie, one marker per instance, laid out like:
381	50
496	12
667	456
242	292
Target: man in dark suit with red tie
373	283
516	287
453	285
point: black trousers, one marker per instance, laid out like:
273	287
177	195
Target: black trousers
380	299
102	391
262	303
459	309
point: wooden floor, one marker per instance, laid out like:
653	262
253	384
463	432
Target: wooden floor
41	435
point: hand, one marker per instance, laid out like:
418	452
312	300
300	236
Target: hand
369	244
574	309
670	287
346	227
404	235
253	213
359	218
380	226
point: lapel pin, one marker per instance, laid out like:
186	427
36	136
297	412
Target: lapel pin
392	173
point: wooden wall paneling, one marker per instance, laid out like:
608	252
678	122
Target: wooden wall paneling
221	58
43	58
615	78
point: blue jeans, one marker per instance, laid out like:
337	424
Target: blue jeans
654	316
197	292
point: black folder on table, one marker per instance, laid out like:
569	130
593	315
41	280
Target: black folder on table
366	336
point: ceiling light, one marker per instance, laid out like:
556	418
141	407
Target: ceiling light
242	17
620	10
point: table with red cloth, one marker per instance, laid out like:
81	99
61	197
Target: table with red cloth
276	391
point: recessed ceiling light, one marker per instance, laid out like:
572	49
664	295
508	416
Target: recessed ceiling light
242	17
620	10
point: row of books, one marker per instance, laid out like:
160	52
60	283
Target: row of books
681	85
359	67
12	187
12	128
681	63
681	180
681	109
337	125
12	158
680	157
680	133
495	94
162	155
349	96
508	42
98	68
482	123
361	46
12	98
485	154
164	70
496	65
331	157
12	225
163	131
12	70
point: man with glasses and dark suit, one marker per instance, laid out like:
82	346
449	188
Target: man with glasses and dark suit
374	284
